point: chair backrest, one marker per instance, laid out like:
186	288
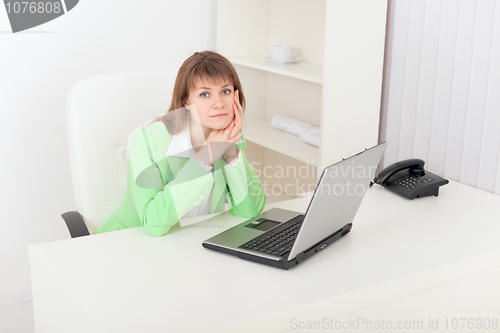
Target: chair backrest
101	112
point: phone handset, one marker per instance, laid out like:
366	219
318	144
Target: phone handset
414	164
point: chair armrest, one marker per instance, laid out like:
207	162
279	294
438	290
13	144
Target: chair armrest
76	224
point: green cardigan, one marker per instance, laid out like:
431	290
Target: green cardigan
161	189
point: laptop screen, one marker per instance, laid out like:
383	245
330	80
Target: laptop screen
337	197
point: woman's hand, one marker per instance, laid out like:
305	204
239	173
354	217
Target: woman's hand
218	142
238	114
230	154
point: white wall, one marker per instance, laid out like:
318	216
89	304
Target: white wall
441	98
37	69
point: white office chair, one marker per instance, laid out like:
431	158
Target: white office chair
101	112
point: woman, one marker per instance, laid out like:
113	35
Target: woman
190	161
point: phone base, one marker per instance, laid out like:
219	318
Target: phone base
434	192
410	186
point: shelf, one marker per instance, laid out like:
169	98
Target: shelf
302	70
262	133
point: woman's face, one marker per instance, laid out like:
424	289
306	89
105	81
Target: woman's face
214	103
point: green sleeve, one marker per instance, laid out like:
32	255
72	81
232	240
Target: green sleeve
160	204
245	196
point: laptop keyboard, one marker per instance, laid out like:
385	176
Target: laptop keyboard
277	242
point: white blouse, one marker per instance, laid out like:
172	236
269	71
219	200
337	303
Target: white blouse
181	145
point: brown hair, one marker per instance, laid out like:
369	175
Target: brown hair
207	66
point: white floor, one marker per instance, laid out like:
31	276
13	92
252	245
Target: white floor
17	318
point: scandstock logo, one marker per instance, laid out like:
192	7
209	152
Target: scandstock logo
24	15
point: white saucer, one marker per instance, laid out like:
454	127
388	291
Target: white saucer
291	61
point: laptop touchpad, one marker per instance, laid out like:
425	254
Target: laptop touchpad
266	225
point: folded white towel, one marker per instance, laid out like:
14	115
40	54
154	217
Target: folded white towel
307	132
313	130
289	125
310	138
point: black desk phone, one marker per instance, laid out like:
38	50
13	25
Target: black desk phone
409	179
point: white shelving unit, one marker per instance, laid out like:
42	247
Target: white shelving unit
336	85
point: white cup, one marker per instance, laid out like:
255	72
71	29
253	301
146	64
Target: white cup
280	52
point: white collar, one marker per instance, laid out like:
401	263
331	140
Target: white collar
181	145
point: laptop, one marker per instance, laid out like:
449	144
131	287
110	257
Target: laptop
284	238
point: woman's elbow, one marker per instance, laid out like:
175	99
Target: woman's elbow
156	231
155	228
248	207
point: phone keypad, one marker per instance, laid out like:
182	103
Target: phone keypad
411	182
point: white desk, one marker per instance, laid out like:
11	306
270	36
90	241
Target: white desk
409	258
